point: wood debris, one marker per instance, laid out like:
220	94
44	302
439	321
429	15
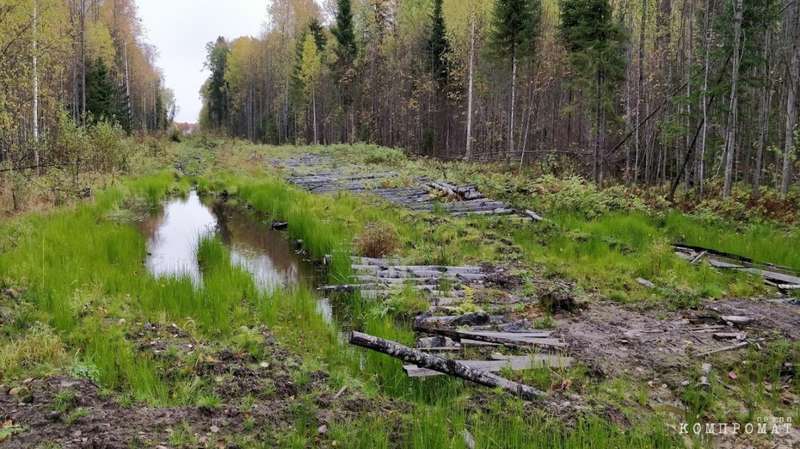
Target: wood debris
514	363
442	365
423	195
783	278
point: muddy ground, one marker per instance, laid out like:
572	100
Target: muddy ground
257	402
615	340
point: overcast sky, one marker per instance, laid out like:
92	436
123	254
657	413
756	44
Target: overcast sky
180	29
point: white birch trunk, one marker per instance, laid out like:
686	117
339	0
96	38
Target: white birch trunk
468	152
35	85
513	101
730	135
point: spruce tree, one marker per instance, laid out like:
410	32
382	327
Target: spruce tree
345	51
438	46
595	44
100	92
345	36
319	34
515	27
216	90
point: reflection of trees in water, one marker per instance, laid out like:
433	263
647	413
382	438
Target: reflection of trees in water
255	246
173	237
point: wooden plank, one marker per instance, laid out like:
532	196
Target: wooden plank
726	348
514	363
533	215
716	263
502	338
442	365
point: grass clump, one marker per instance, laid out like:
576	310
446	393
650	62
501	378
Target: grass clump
38	351
377	240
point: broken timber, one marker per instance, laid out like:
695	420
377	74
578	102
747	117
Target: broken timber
510	339
513	363
424	195
442	365
777	276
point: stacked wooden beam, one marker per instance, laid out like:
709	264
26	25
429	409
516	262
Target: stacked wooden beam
782	278
424	195
452	333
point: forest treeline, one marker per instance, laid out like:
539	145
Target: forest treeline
641	91
75	78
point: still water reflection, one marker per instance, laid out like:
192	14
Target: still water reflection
175	233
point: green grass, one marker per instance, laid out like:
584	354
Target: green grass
761	242
84	278
327	225
607	255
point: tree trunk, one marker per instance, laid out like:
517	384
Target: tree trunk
596	156
730	134
35	86
792	85
468	151
128	86
639	89
442	365
764	119
314	113
689	64
83	59
513	100
701	155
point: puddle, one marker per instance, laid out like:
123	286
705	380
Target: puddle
173	236
262	251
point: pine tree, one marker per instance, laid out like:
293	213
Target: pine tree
514	32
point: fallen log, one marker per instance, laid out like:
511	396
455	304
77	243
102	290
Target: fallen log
724	349
444	188
467	319
739	320
511	339
514	363
533	215
442	365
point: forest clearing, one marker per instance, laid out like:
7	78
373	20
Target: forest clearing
480	224
198	307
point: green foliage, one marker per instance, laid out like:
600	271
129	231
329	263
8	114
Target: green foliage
515	27
215	90
345	48
38	350
577	196
438	46
596	47
104	100
208	402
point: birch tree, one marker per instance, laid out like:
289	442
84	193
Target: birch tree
733	108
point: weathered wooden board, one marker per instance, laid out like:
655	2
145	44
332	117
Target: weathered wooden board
514	363
443	365
538	338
